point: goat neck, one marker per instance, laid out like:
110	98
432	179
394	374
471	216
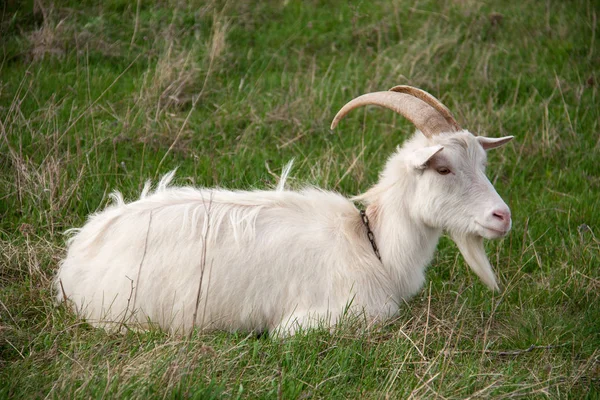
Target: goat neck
406	244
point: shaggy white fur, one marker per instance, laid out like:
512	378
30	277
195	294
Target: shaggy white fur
277	260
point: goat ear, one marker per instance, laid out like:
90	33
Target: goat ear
492	143
420	157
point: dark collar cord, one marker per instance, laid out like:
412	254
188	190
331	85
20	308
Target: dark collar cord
370	234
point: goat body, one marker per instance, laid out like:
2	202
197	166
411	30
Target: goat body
262	260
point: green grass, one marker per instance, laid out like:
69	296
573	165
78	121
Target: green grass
97	96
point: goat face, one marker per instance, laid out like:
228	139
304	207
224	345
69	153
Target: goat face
450	191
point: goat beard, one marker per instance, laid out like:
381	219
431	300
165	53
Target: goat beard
471	247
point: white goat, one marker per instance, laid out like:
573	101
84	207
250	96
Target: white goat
281	260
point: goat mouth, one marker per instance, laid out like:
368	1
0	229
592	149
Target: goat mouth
495	233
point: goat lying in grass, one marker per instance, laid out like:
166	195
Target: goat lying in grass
182	257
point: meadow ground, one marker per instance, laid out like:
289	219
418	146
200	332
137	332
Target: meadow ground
97	96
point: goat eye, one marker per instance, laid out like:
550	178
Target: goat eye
443	171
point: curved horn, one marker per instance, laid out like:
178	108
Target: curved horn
424	116
429	99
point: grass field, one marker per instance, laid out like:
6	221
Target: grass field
98	96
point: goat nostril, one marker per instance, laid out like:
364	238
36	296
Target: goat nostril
501	215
